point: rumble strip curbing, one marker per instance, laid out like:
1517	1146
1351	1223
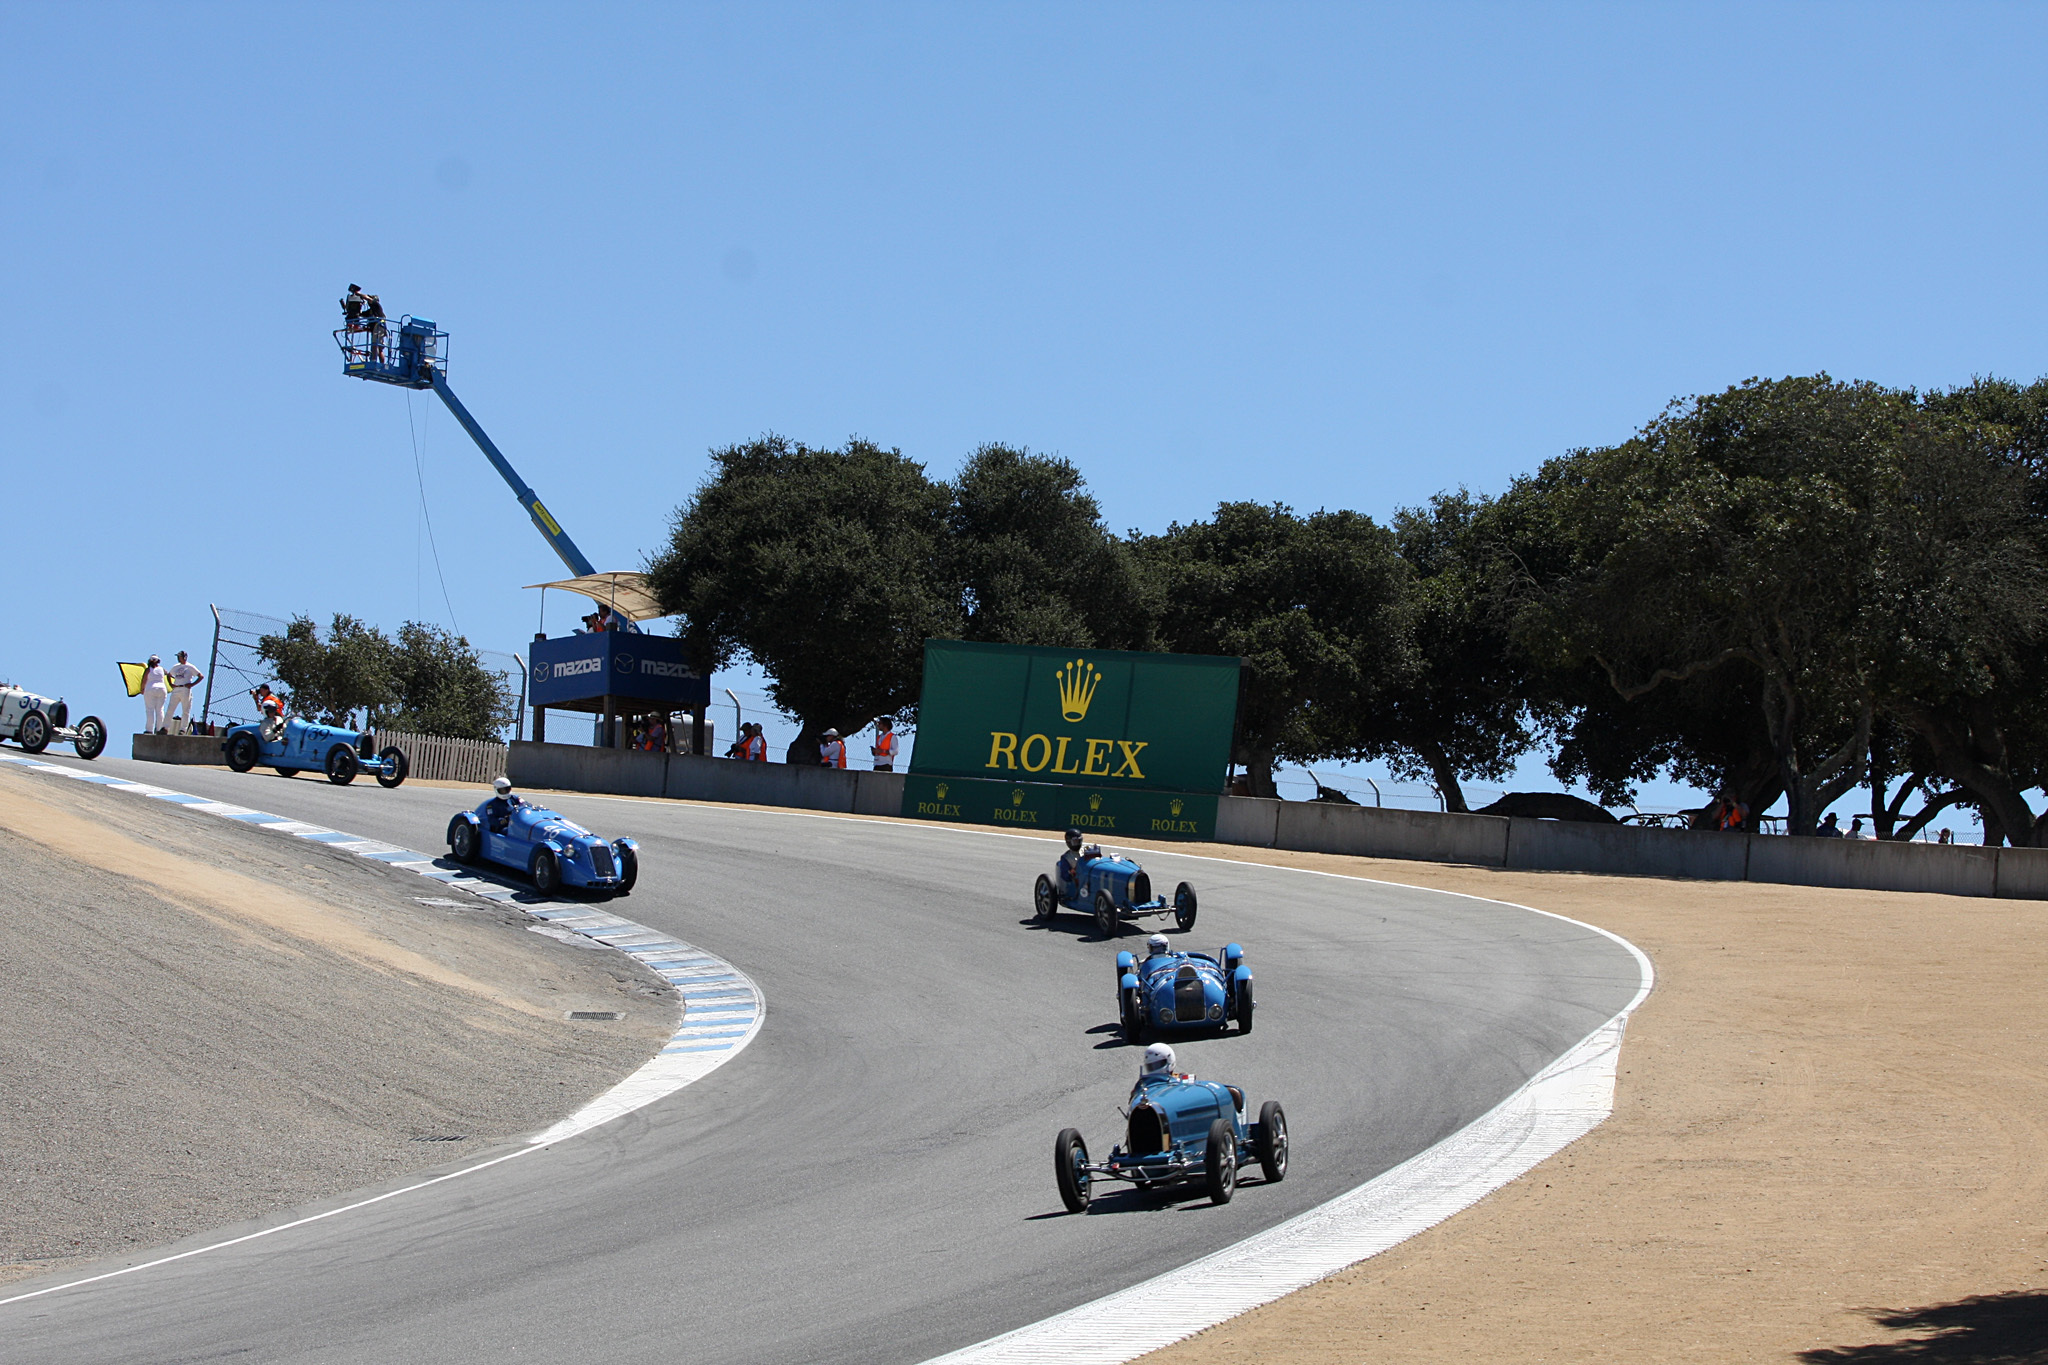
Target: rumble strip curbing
722	1007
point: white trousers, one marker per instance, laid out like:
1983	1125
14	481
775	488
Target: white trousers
181	700
153	709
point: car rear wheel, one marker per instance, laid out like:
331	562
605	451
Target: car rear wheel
342	765
547	876
1244	1008
1128	1013
629	868
34	734
1269	1140
1220	1162
1105	913
286	772
1184	906
1043	902
396	767
241	751
462	842
1070	1165
92	738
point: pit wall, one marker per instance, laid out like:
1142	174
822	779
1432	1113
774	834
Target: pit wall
1366	831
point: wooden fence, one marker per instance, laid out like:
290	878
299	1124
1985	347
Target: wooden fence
437	758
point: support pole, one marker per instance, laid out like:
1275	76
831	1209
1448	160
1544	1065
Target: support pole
212	662
697	730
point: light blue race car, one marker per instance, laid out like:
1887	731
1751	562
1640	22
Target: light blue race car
1178	1129
549	847
1110	887
1168	990
294	746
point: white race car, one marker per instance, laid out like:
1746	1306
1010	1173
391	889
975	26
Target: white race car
32	722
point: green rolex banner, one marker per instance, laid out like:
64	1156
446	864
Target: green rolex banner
1114	741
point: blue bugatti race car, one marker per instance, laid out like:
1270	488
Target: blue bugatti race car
551	848
1170	990
293	746
1177	1129
1109	887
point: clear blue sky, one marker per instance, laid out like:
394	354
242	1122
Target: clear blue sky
1325	255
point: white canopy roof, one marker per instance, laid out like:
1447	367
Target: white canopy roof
626	593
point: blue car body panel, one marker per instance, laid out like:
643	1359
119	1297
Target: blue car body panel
305	746
583	858
1183	991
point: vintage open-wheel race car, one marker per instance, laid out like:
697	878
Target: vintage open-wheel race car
1177	1129
35	722
1113	889
295	746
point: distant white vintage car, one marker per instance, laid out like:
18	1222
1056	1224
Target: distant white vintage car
32	722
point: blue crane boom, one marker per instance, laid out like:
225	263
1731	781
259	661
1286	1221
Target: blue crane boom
418	359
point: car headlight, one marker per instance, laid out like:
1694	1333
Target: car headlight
1166	1016
1215	1011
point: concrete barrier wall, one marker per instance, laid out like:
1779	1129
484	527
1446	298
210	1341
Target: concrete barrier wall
1369	831
1248	821
200	749
1561	846
2022	873
580	768
1870	865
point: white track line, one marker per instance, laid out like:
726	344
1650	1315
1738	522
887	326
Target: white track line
1555	1108
711	988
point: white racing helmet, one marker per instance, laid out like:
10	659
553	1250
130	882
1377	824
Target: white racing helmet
503	786
1158	1061
1156	944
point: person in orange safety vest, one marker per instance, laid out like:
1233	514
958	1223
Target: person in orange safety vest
885	745
752	748
832	753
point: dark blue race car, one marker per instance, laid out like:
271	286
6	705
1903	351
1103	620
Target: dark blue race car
1110	887
293	746
1177	1129
1179	991
551	848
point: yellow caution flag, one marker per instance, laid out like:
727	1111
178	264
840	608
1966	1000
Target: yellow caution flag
132	675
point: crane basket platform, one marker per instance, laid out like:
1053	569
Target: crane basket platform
406	355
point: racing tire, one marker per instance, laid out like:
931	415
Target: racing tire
1069	1162
92	738
1269	1141
241	752
1184	906
342	765
1105	914
1244	1008
629	869
1219	1163
286	772
34	734
1043	901
396	767
547	874
462	842
1130	1017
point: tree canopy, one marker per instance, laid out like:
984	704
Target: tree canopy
429	681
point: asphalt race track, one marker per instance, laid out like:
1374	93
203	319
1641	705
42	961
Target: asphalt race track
870	1181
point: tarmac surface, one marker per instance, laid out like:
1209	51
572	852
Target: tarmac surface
871	1180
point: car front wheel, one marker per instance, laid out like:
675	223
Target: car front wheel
1105	913
395	767
547	875
629	869
1269	1140
1184	906
1220	1162
462	842
1244	1008
1070	1166
241	752
92	738
1043	901
1132	1019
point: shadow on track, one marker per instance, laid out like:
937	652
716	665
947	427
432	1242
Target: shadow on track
1984	1329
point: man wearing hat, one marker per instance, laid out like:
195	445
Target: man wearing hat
183	675
832	753
153	693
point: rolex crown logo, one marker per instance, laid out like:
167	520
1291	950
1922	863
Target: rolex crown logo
1078	681
1175	805
942	791
1016	796
1095	802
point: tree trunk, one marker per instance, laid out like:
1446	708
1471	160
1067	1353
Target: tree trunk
1258	771
803	750
1445	776
1960	755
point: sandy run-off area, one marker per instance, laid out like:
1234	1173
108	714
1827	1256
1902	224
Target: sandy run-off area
202	1023
1829	1144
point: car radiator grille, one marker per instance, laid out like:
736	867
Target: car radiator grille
1190	1002
601	859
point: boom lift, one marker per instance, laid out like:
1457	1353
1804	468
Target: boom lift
417	358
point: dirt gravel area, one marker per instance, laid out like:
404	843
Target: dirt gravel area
204	1022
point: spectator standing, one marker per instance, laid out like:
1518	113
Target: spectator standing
373	317
183	677
753	744
1856	830
832	753
1830	828
1948	836
885	745
154	690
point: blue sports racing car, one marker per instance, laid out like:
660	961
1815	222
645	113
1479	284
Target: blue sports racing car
1166	990
549	847
1109	887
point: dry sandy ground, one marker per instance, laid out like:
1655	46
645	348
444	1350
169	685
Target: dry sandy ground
203	1023
1829	1144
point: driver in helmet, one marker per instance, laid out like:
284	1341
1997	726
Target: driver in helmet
1071	861
1157	1066
498	812
1157	946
